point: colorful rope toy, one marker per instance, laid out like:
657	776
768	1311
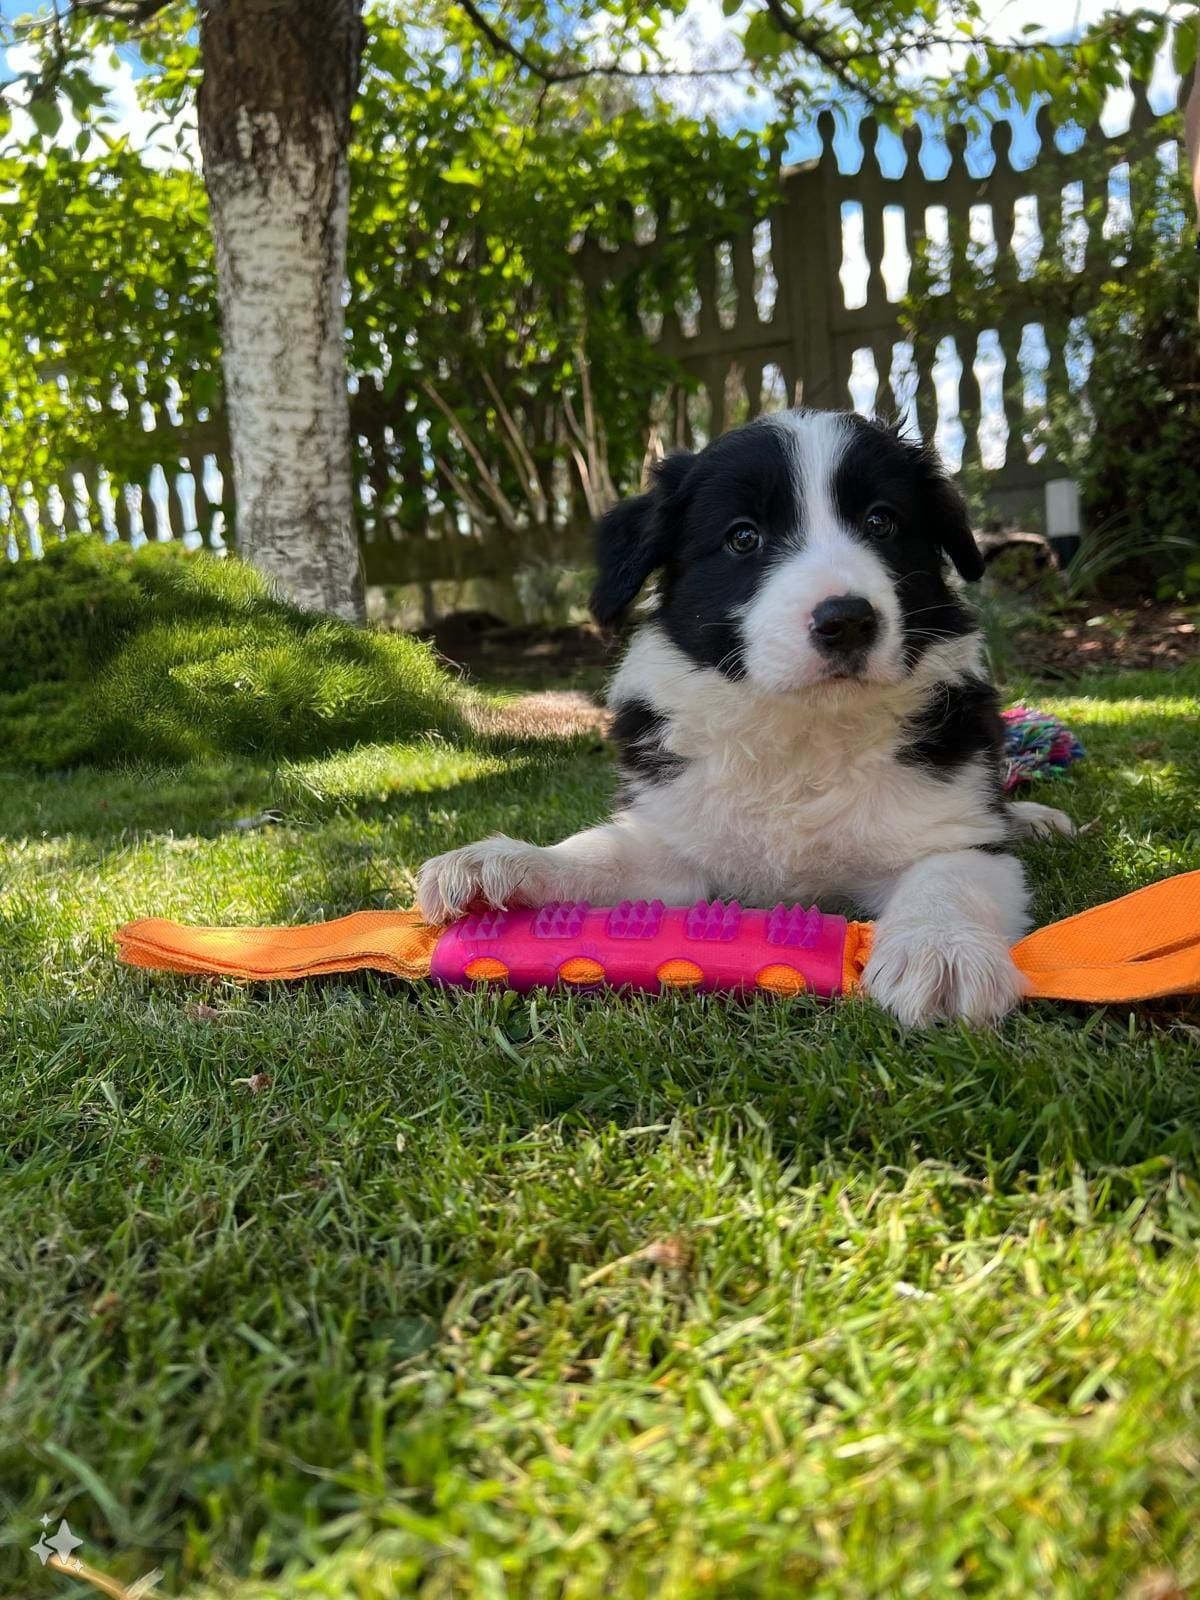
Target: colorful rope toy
1036	745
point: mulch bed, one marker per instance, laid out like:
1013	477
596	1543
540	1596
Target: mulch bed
1091	635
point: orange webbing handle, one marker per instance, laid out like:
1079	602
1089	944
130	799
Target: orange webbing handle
400	942
1140	947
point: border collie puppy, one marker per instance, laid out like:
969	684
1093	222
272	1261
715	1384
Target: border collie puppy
803	715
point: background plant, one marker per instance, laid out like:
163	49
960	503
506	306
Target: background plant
487	139
1122	413
471	190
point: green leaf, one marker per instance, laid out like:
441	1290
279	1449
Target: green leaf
46	116
463	175
1184	44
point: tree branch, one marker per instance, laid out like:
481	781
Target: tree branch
518	452
131	11
819	42
474	508
548	75
815	40
486	477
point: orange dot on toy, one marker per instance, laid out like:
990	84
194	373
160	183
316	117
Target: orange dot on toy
781	979
679	974
581	970
486	967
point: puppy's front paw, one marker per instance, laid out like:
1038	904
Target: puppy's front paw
1036	821
502	871
920	973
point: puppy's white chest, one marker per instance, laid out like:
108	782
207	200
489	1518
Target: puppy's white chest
776	812
779	827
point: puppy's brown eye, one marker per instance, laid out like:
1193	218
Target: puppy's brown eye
744	540
879	523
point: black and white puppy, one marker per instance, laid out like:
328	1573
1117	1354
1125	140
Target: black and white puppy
804	715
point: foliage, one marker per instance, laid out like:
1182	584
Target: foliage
489	141
1126	303
881	53
107	312
1139	470
108	654
469	199
347	1290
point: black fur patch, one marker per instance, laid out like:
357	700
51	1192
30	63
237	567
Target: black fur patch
745	476
638	731
959	723
931	525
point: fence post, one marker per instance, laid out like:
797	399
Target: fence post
810	256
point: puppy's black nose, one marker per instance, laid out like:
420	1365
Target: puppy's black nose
844	624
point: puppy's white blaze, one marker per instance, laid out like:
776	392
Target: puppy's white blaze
829	561
817	441
787	796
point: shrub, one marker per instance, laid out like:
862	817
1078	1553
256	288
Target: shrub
1131	436
1138	466
108	654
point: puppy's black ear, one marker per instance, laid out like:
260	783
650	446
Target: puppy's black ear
952	529
635	538
949	519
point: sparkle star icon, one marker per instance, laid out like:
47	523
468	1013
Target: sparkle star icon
42	1550
64	1542
45	1519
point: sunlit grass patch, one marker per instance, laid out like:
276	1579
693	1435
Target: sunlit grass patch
158	654
363	1290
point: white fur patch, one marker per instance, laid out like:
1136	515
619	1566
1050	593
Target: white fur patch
1033	820
800	796
620	860
941	946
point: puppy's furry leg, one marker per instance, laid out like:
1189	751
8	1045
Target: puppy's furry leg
942	941
618	861
1032	820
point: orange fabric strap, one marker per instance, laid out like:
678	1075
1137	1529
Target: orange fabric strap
399	942
1140	947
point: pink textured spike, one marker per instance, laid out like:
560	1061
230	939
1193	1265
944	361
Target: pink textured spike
485	925
794	926
560	919
635	919
713	920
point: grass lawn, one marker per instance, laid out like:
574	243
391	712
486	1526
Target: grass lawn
352	1290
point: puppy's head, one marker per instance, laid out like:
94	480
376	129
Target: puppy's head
805	548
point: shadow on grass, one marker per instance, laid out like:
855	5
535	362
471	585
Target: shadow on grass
206	798
837	1085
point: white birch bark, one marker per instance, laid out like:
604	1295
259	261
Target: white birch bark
278	181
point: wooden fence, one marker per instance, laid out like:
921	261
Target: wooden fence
802	305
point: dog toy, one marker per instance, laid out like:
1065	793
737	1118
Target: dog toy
1036	745
1140	947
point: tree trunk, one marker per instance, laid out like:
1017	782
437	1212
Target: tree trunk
279	79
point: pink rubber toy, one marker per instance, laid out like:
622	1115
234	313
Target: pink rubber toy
643	945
